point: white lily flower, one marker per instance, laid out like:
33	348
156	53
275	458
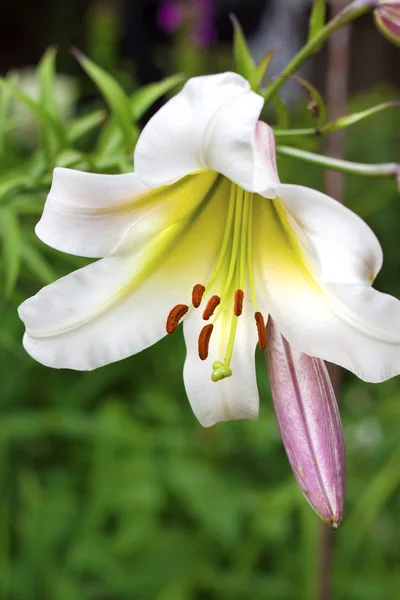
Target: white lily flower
204	231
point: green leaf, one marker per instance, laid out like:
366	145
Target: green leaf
5	104
11	182
46	75
348	120
261	70
114	95
282	113
316	104
11	248
36	263
317	18
110	139
143	98
81	126
244	62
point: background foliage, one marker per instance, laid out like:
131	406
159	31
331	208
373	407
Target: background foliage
109	489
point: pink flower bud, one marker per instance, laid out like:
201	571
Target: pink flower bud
387	18
310	426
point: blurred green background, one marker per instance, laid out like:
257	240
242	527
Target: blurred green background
109	488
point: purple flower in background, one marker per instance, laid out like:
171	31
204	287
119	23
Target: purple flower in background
197	14
170	16
204	33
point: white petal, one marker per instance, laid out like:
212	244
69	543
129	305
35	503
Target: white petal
87	214
347	249
235	397
351	325
118	306
210	124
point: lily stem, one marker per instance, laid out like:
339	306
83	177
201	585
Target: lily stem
337	96
344	166
355	9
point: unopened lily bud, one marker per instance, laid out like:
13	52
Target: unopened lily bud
310	425
387	18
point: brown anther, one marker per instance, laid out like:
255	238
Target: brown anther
261	330
204	341
238	302
211	306
197	294
175	316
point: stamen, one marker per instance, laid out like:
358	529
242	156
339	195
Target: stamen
211	306
197	294
261	330
175	315
204	341
238	303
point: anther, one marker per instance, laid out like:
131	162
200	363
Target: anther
197	294
238	303
204	341
175	315
261	330
211	306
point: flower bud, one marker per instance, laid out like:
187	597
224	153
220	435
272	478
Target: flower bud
310	426
387	18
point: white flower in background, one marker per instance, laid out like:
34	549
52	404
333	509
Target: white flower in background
203	231
25	127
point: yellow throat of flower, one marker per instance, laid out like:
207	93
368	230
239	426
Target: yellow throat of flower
234	268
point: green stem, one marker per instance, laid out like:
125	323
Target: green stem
345	166
353	11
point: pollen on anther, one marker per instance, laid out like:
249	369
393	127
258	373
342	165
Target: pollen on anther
211	306
204	341
174	317
238	303
261	330
197	294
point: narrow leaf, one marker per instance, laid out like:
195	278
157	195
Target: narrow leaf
316	104
282	113
11	248
244	62
348	120
114	95
261	70
46	75
81	126
37	264
143	98
110	139
5	105
317	18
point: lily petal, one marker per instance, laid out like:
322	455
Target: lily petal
235	397
347	249
349	324
119	305
210	124
310	426
87	214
